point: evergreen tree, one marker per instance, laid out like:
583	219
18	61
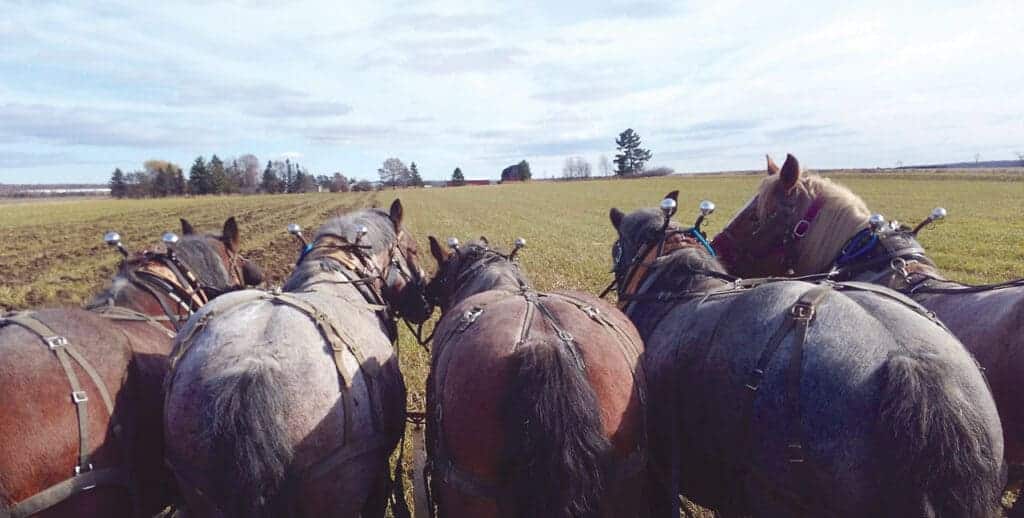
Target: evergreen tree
298	182
457	177
162	183
118	184
524	170
199	177
631	157
271	183
179	182
414	176
217	175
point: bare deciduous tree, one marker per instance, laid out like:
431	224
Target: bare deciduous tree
604	165
576	167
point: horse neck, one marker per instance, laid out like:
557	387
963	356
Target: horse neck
646	313
837	223
498	276
329	278
124	293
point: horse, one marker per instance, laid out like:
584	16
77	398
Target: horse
534	400
838	237
790	398
82	388
289	403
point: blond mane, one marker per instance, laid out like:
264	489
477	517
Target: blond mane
842	215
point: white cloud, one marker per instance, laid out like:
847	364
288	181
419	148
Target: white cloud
709	85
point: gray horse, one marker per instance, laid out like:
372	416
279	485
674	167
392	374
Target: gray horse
797	399
289	403
989	322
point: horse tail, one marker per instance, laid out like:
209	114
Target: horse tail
943	457
251	450
557	454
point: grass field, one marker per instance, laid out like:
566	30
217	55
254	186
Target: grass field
52	252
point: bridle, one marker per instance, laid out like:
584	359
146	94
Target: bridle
782	230
173	279
670	240
443	283
371	278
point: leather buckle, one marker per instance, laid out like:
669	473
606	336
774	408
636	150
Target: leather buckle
56	342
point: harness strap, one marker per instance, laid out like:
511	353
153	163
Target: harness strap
57	493
344	453
66	352
113	312
797	321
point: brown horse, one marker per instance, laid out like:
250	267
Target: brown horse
535	400
81	389
289	403
762	239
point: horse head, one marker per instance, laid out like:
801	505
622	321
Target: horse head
794	224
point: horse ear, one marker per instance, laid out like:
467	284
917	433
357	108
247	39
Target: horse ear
674	195
230	234
790	173
772	168
186	227
484	239
435	249
396	212
616	216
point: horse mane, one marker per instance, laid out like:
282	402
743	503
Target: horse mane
380	236
677	268
489	267
380	229
195	251
842	215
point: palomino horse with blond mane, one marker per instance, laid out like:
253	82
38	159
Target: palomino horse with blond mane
82	389
535	400
803	224
778	398
289	403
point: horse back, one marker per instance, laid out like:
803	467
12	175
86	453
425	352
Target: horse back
40	422
702	360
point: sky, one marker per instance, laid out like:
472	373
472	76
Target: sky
337	86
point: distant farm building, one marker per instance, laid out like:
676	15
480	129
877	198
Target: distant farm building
450	183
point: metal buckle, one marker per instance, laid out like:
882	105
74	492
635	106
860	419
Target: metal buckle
56	342
796	452
591	312
564	336
79	470
79	397
802	311
801	228
755	380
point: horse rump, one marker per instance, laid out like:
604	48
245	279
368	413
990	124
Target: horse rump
942	446
556	455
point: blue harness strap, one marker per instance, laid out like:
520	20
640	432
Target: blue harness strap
699	236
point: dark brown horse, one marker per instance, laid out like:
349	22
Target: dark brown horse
838	234
535	400
81	389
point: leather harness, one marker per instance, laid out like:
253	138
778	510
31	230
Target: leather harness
441	467
85	475
347	260
796	322
171	277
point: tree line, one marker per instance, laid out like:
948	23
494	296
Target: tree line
160	178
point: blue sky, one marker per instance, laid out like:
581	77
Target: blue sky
89	86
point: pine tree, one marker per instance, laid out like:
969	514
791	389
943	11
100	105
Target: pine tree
199	177
298	182
270	183
118	184
631	157
524	170
458	178
179	182
415	180
218	177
